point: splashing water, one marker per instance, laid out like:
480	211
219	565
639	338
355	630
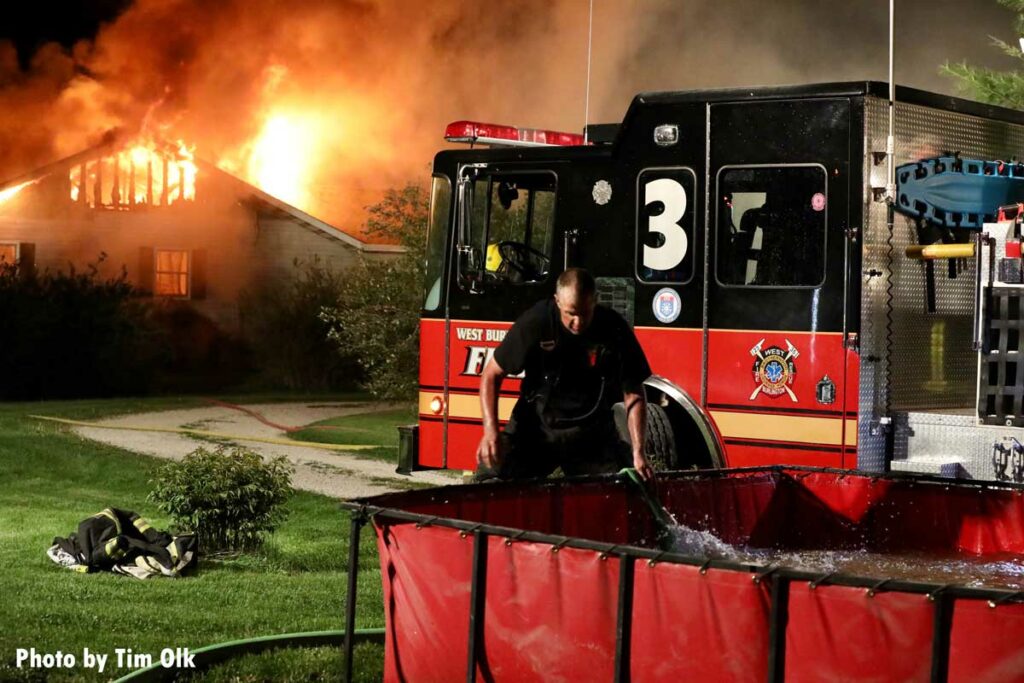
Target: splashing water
687	541
1002	571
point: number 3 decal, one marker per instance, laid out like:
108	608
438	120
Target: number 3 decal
672	251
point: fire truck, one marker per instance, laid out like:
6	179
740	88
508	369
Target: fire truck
793	308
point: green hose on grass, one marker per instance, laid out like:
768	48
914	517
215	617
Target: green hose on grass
212	654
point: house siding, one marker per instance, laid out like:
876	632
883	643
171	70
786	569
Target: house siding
244	241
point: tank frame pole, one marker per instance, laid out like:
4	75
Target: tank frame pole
624	623
477	601
778	618
358	520
941	629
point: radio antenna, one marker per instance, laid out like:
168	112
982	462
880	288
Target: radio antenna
890	141
586	100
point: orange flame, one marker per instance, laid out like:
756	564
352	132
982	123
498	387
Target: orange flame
287	154
144	174
11	191
280	157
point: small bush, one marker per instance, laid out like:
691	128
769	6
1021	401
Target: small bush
289	340
230	498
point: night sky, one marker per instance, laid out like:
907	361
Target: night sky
61	21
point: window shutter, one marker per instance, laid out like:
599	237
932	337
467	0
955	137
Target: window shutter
27	260
198	287
145	279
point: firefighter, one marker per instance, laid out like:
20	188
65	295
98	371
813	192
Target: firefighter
579	359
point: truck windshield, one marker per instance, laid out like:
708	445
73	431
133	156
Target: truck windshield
437	231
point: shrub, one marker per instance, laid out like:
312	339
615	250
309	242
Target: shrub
376	315
288	338
74	334
229	497
200	356
377	319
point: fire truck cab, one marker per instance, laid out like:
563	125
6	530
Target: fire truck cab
744	234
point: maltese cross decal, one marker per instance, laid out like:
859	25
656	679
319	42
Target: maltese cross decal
774	370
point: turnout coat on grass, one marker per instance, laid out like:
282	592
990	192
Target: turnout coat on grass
123	542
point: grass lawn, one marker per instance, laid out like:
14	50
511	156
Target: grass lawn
52	479
379	429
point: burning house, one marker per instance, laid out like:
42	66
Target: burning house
180	228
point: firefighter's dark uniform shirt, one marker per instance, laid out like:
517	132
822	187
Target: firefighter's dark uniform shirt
571	381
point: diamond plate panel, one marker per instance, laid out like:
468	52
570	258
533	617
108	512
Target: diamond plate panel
929	439
617	294
929	354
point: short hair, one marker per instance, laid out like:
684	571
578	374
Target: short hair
579	280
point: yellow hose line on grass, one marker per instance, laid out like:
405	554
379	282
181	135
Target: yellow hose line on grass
212	435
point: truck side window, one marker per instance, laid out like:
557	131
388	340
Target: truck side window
512	226
437	231
665	224
771	226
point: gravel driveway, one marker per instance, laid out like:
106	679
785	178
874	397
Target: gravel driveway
333	473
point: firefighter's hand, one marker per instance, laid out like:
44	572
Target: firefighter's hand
642	466
487	453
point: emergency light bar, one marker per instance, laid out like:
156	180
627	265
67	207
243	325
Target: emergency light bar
474	132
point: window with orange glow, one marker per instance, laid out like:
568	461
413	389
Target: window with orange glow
8	253
172	272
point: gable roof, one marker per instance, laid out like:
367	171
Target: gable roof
299	214
110	144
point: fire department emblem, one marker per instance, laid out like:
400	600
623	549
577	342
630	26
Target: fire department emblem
667	305
774	369
602	192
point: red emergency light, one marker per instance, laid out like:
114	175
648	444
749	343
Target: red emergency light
475	132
